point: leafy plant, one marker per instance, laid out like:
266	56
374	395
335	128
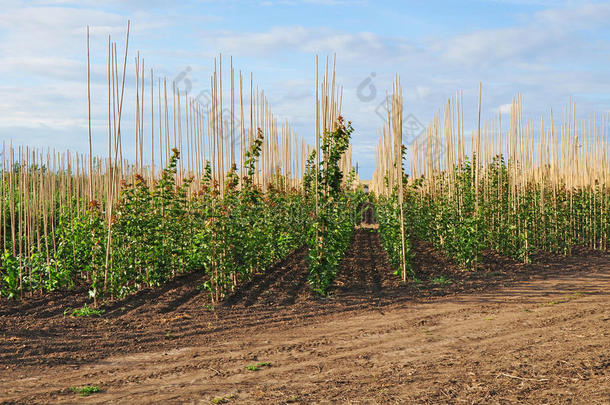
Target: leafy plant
84	311
258	366
85	390
11	282
442	280
223	400
335	213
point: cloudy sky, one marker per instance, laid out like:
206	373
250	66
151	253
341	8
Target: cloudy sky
546	50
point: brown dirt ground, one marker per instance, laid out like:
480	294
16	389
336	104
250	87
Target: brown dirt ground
508	333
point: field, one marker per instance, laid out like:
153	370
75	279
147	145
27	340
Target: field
228	261
508	333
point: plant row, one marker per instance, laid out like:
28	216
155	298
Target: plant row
337	208
463	218
157	231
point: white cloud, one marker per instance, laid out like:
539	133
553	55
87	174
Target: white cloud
308	40
551	36
503	109
423	91
47	67
583	15
491	47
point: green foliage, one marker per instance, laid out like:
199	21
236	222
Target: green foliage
335	215
84	311
223	400
247	230
85	390
152	233
442	280
162	230
10	276
258	366
387	210
463	221
78	252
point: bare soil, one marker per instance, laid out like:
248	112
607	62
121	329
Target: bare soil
507	333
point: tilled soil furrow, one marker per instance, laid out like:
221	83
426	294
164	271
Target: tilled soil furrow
397	349
528	334
392	337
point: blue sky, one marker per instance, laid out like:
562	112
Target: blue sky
546	50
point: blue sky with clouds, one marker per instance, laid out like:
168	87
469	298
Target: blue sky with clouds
546	50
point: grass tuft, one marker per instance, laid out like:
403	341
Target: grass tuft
257	366
85	390
442	280
84	311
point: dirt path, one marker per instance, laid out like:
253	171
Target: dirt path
512	337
